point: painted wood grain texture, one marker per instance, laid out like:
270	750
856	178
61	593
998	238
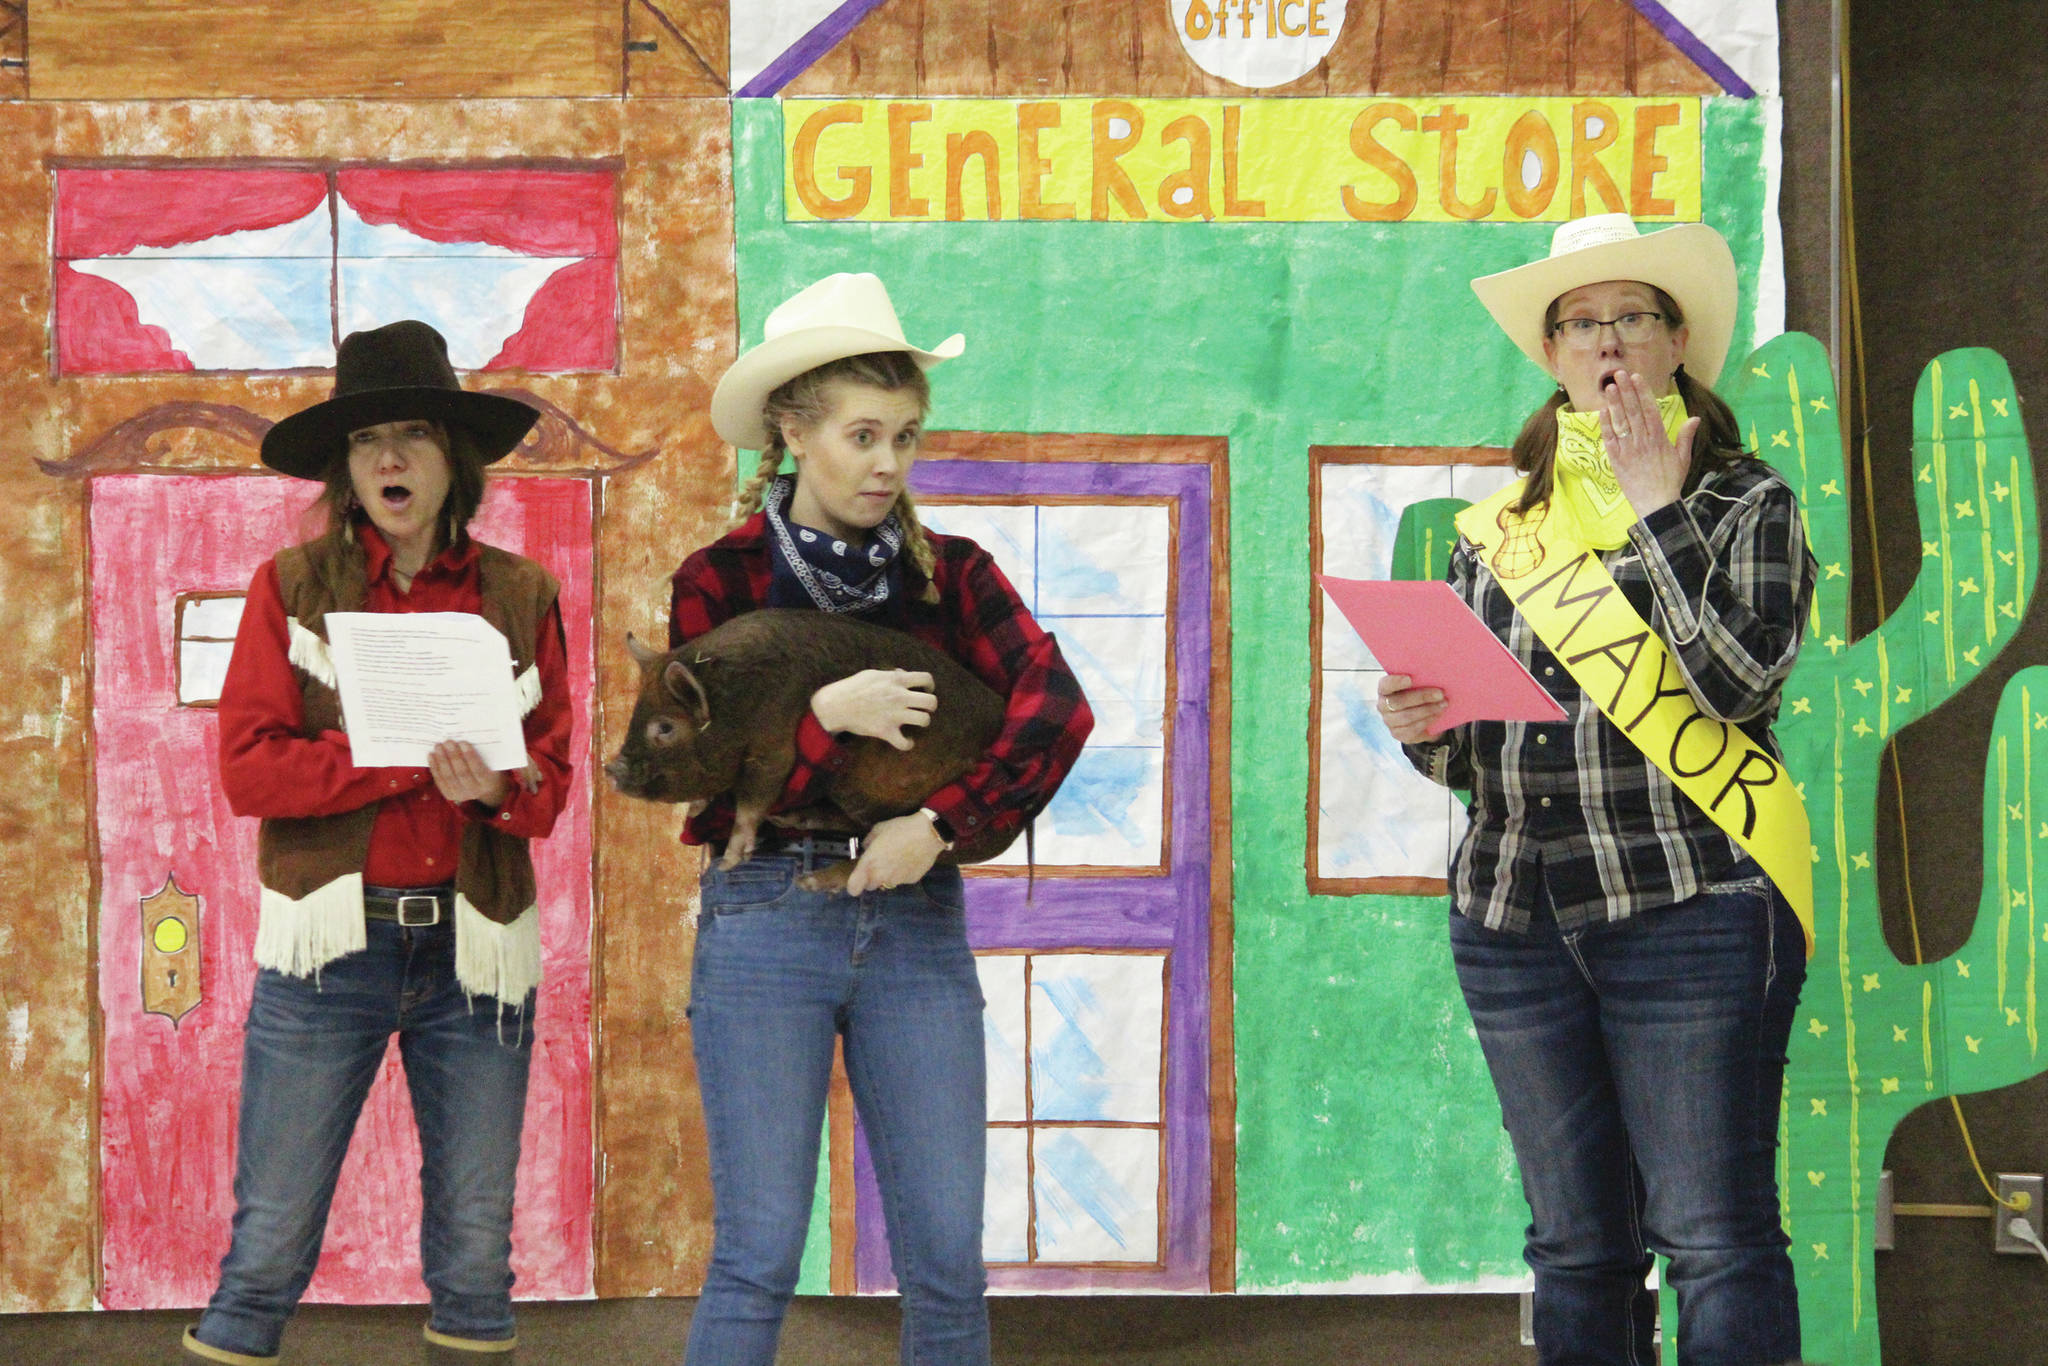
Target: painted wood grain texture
654	1204
1112	47
46	1147
1542	38
676	336
690	52
286	49
13	49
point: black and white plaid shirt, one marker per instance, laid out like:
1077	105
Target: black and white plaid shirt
1725	576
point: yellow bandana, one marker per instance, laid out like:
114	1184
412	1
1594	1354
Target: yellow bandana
1587	505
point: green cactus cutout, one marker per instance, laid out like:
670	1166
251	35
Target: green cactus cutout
1875	1038
1424	540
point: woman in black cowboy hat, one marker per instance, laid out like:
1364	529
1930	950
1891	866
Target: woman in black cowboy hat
391	898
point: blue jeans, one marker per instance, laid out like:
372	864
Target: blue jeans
779	973
308	1057
1639	1066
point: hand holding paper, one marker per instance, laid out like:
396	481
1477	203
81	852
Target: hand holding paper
1425	630
410	680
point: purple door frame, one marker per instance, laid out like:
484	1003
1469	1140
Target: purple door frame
1172	912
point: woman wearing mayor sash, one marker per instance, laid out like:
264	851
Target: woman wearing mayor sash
1629	895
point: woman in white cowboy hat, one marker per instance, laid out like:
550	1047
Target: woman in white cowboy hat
780	972
1631	970
391	898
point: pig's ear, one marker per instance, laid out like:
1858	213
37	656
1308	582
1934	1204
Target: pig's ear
685	691
643	655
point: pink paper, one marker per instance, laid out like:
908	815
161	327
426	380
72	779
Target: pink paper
1425	630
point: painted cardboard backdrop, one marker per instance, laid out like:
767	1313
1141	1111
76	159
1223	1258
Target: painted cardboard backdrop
1211	262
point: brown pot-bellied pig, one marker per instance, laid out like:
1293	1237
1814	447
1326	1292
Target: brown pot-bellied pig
720	715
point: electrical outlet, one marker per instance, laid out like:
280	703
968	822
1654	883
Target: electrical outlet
2010	1188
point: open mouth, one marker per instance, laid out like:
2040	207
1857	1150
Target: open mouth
395	497
1608	380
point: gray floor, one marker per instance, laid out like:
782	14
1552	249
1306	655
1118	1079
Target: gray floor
1365	1330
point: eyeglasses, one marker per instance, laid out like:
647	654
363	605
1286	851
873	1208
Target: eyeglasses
1585	332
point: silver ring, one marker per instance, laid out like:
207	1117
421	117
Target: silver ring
1621	431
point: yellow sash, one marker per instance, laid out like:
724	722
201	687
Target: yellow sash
1575	607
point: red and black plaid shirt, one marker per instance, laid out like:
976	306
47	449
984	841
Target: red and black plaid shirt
978	620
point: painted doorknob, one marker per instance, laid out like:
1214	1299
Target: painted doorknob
170	951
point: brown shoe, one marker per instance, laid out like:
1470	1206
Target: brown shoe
449	1340
194	1347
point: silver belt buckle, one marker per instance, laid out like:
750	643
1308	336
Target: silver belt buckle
433	911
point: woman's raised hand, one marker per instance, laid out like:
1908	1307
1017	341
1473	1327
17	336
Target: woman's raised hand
876	702
1410	712
1649	464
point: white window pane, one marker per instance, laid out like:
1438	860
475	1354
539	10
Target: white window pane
202	667
1006	1198
476	302
1476	483
1096	1021
236	313
1121	664
1103	560
216	617
1009	533
1108	814
1361	514
1098	1195
1376	816
1002	1025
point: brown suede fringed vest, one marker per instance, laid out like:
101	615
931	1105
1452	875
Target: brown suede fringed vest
298	855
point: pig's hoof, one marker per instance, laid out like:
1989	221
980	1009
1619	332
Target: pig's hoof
832	879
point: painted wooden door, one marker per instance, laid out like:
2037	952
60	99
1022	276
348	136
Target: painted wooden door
1101	1023
171	557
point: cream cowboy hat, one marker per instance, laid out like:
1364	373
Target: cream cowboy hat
841	315
1690	262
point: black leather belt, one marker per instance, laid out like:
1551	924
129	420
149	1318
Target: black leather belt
794	844
413	907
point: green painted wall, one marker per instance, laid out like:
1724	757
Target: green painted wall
1369	1142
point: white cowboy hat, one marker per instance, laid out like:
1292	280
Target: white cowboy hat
1690	262
841	315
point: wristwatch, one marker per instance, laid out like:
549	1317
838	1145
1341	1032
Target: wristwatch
939	826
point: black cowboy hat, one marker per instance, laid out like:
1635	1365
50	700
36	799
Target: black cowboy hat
393	373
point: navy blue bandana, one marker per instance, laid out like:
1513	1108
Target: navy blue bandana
812	568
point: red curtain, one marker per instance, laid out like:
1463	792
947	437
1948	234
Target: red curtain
105	212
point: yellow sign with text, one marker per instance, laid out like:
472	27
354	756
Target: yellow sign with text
1493	159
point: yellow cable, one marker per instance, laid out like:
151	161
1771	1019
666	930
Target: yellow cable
1859	405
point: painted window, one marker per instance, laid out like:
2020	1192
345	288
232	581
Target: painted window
1375	824
1096	575
1075	1072
206	639
254	269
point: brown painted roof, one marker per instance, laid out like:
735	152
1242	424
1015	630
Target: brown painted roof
1127	47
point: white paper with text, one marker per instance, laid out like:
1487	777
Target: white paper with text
410	680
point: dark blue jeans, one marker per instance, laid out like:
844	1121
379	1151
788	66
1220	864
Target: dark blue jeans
1639	1066
779	973
309	1056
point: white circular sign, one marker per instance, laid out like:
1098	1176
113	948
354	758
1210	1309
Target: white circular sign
1257	42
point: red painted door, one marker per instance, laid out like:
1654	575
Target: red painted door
171	555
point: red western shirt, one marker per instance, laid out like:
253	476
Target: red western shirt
269	769
978	620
